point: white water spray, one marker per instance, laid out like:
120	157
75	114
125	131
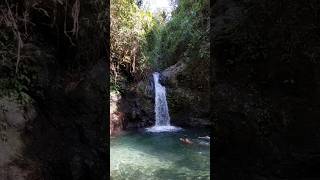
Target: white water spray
161	108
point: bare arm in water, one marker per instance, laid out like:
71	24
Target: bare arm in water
206	137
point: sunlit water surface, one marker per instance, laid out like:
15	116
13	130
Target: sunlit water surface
148	155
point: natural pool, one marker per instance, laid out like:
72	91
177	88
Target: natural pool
146	155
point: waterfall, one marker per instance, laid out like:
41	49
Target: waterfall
161	105
161	109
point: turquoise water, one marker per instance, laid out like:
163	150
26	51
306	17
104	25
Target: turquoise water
144	155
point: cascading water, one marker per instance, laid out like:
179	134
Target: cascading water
161	108
161	105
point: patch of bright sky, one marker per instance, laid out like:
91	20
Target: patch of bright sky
155	6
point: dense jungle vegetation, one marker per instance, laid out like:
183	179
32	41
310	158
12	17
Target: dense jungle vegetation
142	42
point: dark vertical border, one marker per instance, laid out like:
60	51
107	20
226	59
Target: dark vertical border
107	119
210	86
211	80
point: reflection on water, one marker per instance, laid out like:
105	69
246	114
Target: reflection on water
146	155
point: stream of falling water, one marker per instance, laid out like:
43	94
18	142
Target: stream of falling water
162	116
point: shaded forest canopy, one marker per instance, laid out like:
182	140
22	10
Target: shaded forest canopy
53	59
28	25
266	89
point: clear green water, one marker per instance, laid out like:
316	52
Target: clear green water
144	155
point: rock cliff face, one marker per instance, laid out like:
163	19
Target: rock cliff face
188	98
265	90
134	108
187	94
116	116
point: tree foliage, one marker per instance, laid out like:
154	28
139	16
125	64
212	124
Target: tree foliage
185	36
129	24
141	41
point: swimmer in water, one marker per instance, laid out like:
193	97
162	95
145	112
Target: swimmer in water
186	140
